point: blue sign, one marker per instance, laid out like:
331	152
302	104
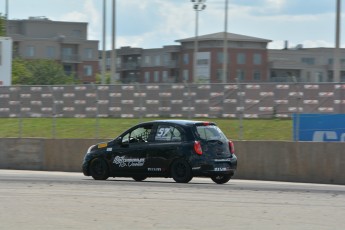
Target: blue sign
319	127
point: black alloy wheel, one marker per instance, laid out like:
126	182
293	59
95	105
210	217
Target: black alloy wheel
221	179
99	169
181	171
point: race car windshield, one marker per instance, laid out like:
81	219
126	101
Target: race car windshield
210	132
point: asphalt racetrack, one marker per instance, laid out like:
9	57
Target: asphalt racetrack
58	200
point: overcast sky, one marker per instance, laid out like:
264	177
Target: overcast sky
155	23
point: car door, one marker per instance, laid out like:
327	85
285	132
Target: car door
164	148
130	156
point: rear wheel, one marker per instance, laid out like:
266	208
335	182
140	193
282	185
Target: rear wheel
99	169
181	171
221	179
139	178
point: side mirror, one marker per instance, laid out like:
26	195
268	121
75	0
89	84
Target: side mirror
122	143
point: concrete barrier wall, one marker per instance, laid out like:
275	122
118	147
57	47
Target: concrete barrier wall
322	162
258	160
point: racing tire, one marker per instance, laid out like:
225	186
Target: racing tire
181	172
221	179
139	178
99	169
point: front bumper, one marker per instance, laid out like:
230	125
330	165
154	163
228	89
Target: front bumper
86	163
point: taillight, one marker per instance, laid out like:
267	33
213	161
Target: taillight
197	147
231	147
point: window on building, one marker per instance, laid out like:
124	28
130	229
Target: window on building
147	77
241	58
202	62
185	75
166	59
331	61
185	59
30	51
308	77
68	69
165	76
108	63
76	33
156	76
88	53
220	57
308	60
118	62
50	52
330	76
257	59
67	51
220	74
157	60
87	70
257	75
319	77
147	60
342	77
240	75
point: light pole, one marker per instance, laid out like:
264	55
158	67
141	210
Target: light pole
7	23
225	51
113	46
104	58
336	71
198	5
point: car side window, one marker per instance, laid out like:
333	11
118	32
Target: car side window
168	133
138	135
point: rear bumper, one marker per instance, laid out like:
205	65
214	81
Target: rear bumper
208	173
223	166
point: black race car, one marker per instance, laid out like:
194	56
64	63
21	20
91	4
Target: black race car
181	149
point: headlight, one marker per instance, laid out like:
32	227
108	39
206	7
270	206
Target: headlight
90	148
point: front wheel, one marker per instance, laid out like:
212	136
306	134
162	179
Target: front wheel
221	179
181	171
99	169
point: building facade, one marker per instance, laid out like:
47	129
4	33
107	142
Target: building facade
248	58
300	64
247	61
64	42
